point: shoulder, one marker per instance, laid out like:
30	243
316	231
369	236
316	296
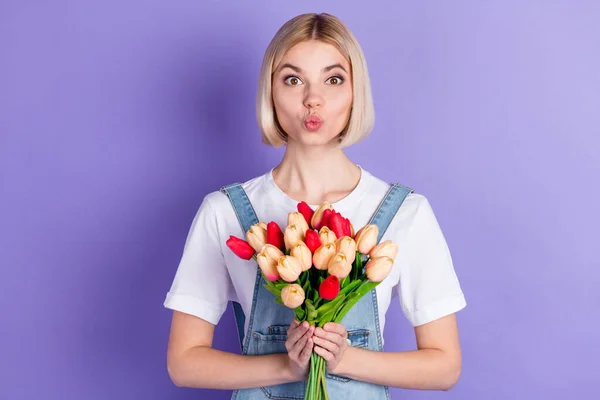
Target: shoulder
379	188
415	213
218	201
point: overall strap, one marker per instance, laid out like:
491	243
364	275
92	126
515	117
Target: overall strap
382	218
388	207
241	205
247	217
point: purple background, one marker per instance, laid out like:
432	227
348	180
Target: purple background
116	118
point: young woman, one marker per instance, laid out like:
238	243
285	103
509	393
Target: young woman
314	98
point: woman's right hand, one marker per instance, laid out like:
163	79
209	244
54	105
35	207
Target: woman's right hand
299	345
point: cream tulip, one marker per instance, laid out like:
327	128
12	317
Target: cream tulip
339	266
289	268
322	256
268	267
366	238
296	218
302	253
346	245
267	261
385	249
377	269
318	215
292	295
326	235
292	235
272	252
256	237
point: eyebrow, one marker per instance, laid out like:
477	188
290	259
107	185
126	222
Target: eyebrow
326	69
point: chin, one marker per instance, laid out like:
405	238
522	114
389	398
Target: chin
314	139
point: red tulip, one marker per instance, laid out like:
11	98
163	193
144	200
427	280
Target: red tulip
240	247
312	240
336	224
347	230
330	287
275	235
306	211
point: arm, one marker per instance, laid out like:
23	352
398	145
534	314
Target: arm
436	365
192	362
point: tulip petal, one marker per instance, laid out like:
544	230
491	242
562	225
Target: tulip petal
306	211
329	288
312	240
275	235
240	247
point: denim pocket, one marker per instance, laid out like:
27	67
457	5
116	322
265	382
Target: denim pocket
358	338
272	342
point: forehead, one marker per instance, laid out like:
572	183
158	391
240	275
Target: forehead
314	54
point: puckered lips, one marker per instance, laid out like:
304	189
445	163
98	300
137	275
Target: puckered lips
313	122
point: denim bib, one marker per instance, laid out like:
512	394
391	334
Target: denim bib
268	321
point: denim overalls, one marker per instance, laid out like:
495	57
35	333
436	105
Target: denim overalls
269	321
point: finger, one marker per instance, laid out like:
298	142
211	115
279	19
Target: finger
299	345
335	328
302	341
327	345
330	336
306	352
293	326
328	356
294	334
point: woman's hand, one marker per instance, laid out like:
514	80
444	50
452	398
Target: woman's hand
331	343
299	345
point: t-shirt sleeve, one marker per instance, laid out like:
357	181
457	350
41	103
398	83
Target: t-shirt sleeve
429	287
202	285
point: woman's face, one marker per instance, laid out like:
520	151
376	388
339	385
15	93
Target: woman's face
312	93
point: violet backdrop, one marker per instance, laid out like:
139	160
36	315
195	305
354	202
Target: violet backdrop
116	118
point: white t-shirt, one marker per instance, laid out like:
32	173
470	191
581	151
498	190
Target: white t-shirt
209	274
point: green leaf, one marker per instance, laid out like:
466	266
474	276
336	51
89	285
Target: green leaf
306	287
351	286
281	285
363	289
276	292
311	311
299	312
318	302
327	311
357	266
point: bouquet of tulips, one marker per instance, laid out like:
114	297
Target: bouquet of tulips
318	267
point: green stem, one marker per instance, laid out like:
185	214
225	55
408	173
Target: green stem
313	374
323	380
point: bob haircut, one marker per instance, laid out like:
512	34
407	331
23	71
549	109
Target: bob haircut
328	29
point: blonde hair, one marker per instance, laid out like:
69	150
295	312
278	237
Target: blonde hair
328	29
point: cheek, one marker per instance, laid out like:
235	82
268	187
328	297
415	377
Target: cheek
285	103
341	101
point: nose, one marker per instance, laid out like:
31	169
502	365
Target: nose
313	97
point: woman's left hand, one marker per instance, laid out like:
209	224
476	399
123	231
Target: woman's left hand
330	342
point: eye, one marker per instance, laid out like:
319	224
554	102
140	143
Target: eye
335	80
292	80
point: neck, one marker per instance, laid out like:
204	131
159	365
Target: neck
316	173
